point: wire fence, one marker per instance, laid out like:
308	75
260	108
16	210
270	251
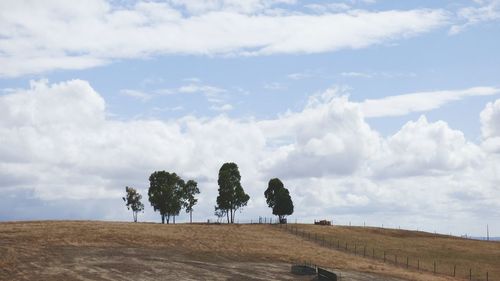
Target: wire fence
388	257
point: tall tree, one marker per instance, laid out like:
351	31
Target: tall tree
133	201
189	191
270	193
166	194
231	194
278	198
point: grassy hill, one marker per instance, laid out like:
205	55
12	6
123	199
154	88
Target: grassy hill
87	250
420	247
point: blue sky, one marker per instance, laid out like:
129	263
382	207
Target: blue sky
371	106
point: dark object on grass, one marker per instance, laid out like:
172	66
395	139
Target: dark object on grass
325	275
303	270
323	222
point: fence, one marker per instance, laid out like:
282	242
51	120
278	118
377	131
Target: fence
387	257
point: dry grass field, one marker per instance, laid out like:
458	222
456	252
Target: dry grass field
446	251
86	250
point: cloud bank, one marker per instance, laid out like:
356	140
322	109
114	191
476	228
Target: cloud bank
57	144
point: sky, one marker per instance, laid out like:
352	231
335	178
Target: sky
370	112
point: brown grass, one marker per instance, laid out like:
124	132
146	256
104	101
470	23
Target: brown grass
38	243
446	251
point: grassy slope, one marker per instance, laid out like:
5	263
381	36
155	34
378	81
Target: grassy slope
22	242
447	251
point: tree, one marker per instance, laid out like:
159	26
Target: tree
231	194
270	193
166	194
133	201
278	198
189	191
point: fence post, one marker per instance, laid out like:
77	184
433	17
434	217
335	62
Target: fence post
418	265
470	273
355	249
346	246
434	267
487	279
384	256
407	262
338	244
454	270
373	252
396	259
364	251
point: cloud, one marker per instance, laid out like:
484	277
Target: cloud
299	75
329	137
483	11
142	96
420	101
207	90
420	148
59	35
245	6
57	144
274	86
354	74
214	95
357	74
490	126
224	107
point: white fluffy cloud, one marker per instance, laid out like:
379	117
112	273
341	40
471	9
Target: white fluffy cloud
57	142
42	36
421	148
329	136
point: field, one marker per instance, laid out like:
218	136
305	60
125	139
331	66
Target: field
86	250
422	247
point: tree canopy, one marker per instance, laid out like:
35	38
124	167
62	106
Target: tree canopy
133	201
278	198
166	194
231	194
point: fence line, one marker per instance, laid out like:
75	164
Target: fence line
384	256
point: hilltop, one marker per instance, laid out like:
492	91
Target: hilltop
75	250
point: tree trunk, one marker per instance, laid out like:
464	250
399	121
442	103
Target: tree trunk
227	215
173	218
163	219
191	216
168	219
135	216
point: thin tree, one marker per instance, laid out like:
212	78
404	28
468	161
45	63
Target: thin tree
231	194
278	199
133	201
189	191
165	194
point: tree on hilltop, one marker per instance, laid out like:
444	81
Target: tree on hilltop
231	194
133	201
278	198
166	194
189	191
